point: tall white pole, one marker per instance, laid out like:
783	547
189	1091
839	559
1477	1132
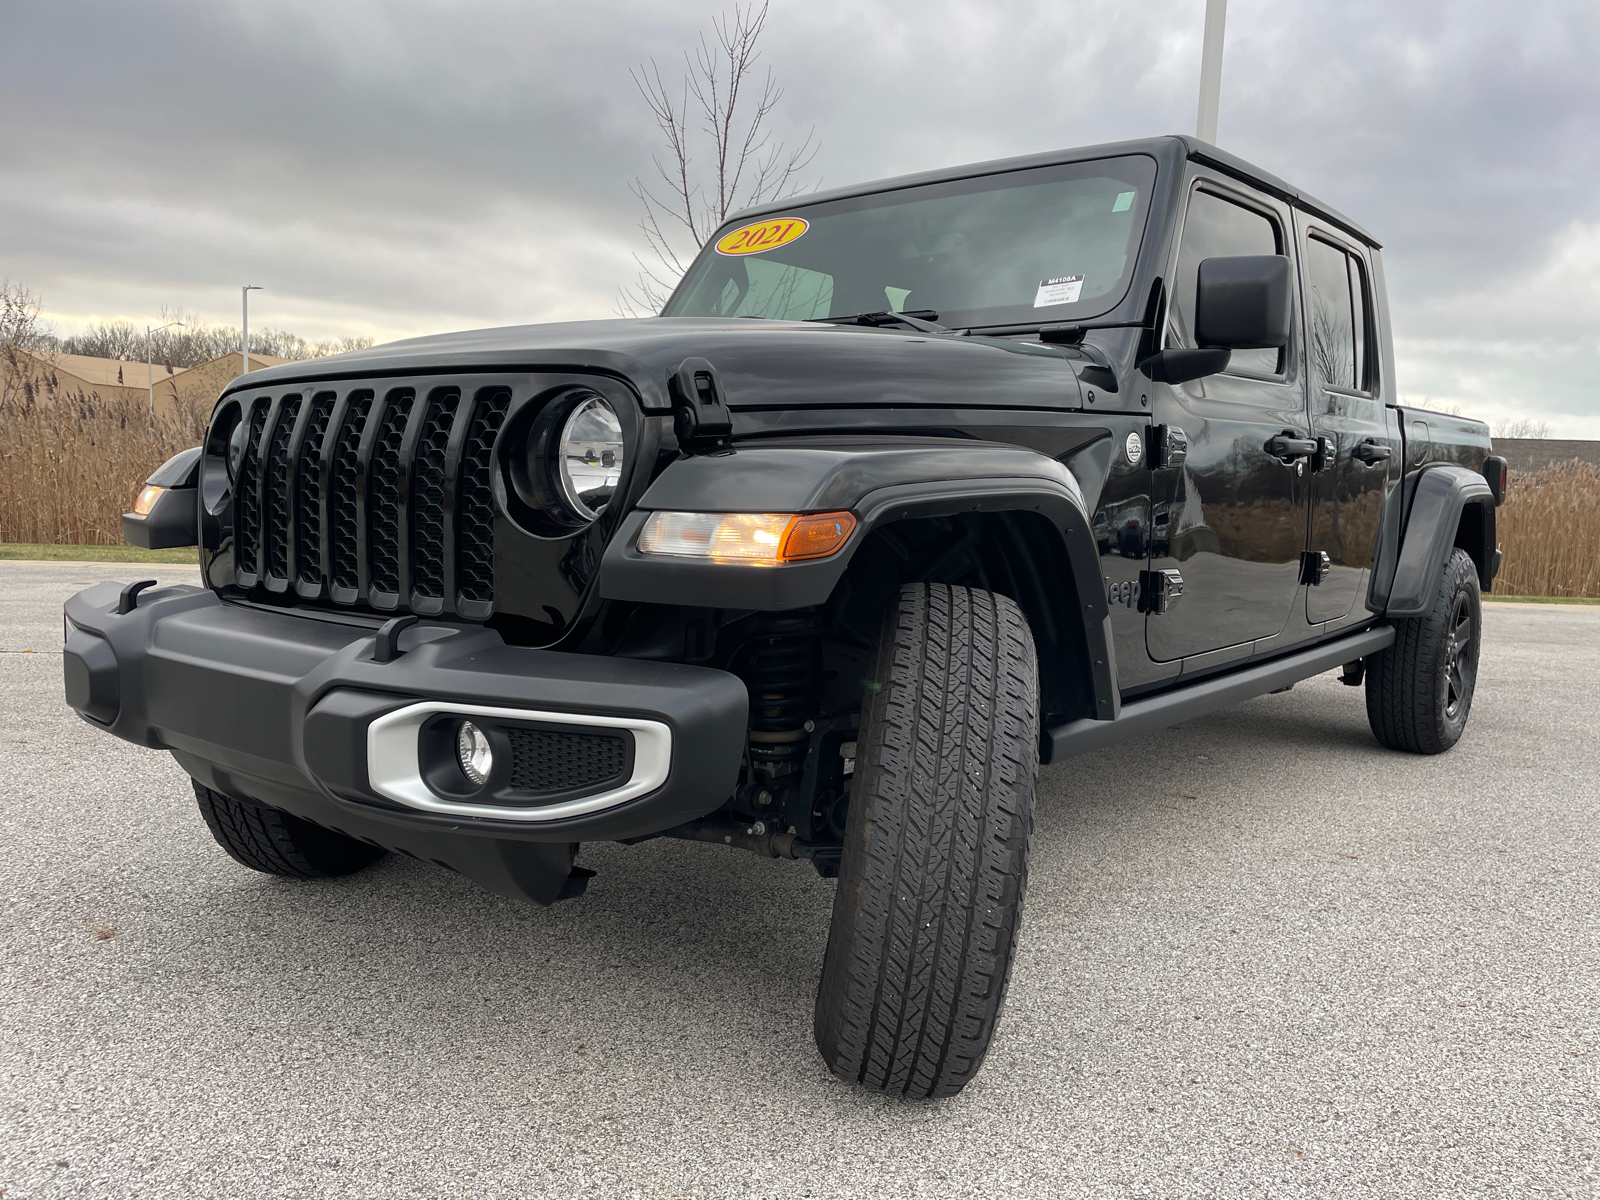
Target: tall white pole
1211	71
149	360
244	340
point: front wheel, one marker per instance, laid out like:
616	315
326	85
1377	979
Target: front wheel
936	845
1419	690
277	843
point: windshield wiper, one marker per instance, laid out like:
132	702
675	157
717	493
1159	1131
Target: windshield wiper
923	320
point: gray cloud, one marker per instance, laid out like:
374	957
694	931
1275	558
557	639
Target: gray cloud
404	167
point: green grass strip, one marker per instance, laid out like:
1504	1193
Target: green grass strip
1545	599
108	554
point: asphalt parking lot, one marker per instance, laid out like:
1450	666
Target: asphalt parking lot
1261	957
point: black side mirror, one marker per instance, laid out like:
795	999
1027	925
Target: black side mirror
1180	366
1244	302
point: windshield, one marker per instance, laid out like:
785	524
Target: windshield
1023	247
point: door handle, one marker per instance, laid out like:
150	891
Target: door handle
1371	452
1288	447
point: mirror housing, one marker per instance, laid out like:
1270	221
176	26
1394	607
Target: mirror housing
1180	366
1244	302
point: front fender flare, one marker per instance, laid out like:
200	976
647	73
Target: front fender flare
880	481
1442	493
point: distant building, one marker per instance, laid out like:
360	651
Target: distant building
1529	454
204	383
48	377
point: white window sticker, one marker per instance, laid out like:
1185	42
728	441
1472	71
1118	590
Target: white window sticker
1064	289
1124	202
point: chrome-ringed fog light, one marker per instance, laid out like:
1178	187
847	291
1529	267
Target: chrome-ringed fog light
474	755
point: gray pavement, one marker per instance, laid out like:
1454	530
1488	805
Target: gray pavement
1261	957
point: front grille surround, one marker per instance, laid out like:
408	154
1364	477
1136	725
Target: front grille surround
371	495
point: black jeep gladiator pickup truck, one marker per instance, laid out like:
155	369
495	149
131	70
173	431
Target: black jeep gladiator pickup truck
911	487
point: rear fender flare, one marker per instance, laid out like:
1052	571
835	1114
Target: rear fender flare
880	481
1441	497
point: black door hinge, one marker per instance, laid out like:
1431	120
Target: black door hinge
1169	446
1314	567
701	418
1158	590
1326	456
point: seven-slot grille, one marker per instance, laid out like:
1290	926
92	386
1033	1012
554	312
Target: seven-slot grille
370	494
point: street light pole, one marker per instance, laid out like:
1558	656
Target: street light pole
149	361
244	346
1211	71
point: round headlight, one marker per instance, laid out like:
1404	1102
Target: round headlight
589	457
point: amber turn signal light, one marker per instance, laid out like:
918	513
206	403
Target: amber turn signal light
146	500
816	536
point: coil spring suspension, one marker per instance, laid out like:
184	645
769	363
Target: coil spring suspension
782	670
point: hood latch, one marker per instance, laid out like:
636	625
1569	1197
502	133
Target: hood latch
701	418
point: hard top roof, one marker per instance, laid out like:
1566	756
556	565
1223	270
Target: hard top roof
1157	147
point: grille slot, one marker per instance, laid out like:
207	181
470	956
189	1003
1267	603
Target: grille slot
276	494
308	500
383	508
344	496
247	486
475	571
429	479
545	760
376	496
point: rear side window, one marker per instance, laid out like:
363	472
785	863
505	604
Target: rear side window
1219	228
1336	316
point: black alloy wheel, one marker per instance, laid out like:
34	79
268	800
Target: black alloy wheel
1419	690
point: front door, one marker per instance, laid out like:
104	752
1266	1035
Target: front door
1348	418
1231	519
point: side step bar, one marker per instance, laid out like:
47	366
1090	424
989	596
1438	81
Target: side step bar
1157	712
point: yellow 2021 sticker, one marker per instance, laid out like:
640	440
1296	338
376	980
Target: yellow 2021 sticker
763	235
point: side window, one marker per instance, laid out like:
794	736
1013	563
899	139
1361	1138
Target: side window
1218	228
1336	314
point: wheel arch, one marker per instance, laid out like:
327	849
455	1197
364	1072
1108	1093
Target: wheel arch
1026	511
1449	507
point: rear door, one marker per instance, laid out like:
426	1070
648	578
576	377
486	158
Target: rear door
1231	519
1351	472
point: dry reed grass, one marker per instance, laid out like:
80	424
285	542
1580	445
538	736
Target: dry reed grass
1549	529
70	468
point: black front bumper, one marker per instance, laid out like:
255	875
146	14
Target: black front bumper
274	708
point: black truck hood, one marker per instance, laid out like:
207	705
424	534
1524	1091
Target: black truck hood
763	364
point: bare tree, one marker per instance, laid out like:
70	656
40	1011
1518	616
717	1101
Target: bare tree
25	339
195	342
1521	427
719	154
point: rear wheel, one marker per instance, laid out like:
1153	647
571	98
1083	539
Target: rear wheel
265	839
1419	690
936	845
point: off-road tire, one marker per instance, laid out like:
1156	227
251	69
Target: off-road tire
936	845
1419	690
265	839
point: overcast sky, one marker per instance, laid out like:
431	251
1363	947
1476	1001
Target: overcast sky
407	167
